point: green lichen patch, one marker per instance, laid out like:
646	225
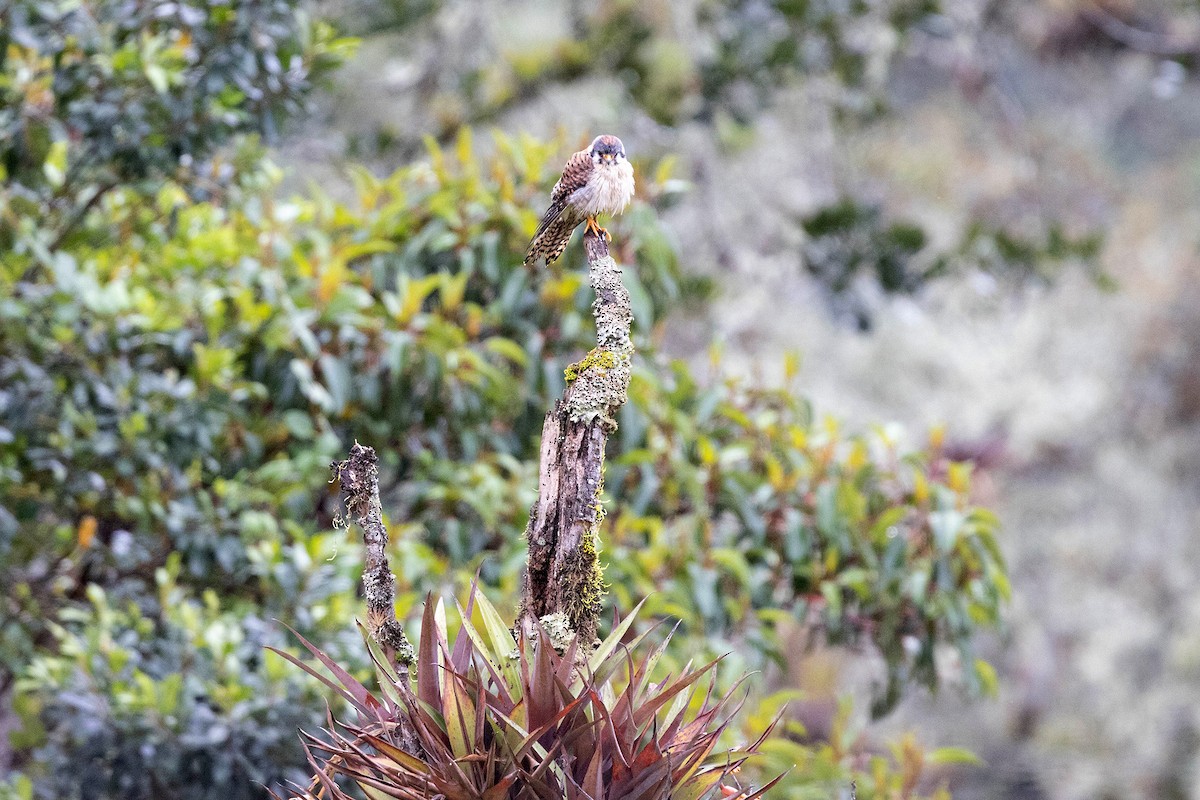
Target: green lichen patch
600	391
597	358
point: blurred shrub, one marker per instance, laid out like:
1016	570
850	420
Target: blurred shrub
849	237
114	92
849	245
718	60
758	45
1039	255
715	61
371	17
856	253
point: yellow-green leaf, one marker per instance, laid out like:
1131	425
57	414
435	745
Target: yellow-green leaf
55	165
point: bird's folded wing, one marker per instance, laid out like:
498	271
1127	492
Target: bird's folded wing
575	176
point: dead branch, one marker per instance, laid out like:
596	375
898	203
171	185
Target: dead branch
563	575
359	478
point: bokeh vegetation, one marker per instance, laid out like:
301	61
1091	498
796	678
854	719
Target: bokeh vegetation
185	349
854	251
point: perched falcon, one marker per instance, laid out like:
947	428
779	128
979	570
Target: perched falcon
598	180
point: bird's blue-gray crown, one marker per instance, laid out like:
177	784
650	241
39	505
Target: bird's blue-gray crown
607	147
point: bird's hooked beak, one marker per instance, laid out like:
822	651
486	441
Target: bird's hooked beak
607	156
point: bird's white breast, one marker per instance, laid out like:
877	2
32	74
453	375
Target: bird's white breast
608	190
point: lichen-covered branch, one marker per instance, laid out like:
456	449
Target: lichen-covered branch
359	477
563	577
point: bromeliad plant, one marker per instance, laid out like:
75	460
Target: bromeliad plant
492	718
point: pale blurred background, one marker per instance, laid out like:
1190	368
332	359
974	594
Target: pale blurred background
1075	385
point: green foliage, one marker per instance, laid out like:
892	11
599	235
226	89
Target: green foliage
182	389
494	718
103	437
743	512
208	368
111	93
131	704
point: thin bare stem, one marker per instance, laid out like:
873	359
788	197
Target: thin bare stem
359	478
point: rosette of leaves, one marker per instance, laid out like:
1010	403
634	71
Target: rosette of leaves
491	719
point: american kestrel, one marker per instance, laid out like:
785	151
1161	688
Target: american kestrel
598	180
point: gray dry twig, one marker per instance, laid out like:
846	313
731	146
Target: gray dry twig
359	479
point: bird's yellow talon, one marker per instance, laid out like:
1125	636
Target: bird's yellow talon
594	228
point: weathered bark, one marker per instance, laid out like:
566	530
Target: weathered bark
359	478
563	575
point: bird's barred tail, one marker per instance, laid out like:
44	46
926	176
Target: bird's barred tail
552	240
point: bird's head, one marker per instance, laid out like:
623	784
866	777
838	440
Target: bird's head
607	149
